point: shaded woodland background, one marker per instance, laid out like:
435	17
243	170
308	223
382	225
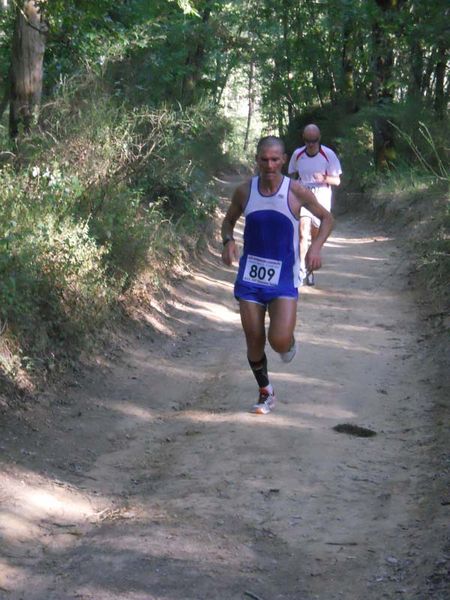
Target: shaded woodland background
114	117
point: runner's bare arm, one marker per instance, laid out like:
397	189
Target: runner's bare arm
230	250
306	198
329	179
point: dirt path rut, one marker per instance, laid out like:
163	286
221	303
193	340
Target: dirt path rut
147	479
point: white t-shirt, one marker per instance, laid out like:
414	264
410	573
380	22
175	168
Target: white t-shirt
325	161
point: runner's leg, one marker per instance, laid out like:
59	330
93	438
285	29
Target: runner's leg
253	323
283	315
305	229
252	319
310	279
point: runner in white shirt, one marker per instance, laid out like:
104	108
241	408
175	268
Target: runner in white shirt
318	168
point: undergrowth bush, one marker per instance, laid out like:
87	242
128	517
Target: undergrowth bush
52	272
415	193
434	257
100	193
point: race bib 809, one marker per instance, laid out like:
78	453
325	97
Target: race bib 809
263	271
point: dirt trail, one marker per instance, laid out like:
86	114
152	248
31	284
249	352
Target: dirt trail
147	479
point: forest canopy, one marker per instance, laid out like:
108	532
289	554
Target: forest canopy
294	55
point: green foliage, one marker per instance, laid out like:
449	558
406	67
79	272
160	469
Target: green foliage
416	198
144	46
52	273
427	149
103	193
432	244
434	259
6	29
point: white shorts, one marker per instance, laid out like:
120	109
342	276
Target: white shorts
323	196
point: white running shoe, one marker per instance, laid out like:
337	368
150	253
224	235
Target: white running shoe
286	357
310	278
265	403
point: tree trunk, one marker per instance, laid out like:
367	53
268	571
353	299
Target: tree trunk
383	61
27	57
427	79
318	90
251	102
194	60
416	79
6	94
5	85
348	83
382	94
221	83
439	96
287	11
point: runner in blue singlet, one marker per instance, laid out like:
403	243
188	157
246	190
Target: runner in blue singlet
267	278
269	265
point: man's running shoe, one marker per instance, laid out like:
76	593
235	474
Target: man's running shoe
310	278
265	403
286	357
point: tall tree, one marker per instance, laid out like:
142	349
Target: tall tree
196	56
251	103
440	100
27	58
285	18
382	85
348	80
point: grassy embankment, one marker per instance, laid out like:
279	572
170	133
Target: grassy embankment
411	196
100	194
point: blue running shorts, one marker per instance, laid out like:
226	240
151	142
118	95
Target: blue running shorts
262	295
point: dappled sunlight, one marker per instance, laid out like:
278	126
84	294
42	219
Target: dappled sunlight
246	418
349	275
350	345
16	527
39	499
323	411
359	257
159	326
356	257
298	378
216	283
10	573
132	410
354	241
332	244
171	370
211	310
353	328
309	297
181	544
332	294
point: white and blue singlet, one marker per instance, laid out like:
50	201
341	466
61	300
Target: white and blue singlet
268	267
